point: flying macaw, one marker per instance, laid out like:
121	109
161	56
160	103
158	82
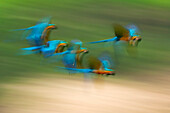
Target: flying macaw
39	33
98	66
51	47
128	34
73	56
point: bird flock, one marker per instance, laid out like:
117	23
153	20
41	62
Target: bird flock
72	52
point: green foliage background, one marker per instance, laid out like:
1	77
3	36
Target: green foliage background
86	20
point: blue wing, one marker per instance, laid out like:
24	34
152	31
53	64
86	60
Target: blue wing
32	48
133	30
106	61
107	40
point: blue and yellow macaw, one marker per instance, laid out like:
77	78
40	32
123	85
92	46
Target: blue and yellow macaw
51	47
39	32
128	34
102	66
72	57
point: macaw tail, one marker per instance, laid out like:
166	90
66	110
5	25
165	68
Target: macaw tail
107	40
77	70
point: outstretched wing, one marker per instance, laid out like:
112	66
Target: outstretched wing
94	63
133	30
120	31
44	20
106	60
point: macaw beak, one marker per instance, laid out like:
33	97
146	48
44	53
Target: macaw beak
84	50
139	39
135	40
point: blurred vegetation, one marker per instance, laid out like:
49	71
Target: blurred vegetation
86	20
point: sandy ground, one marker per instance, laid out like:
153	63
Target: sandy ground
75	95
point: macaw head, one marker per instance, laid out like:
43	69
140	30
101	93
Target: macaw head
83	50
135	40
61	46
